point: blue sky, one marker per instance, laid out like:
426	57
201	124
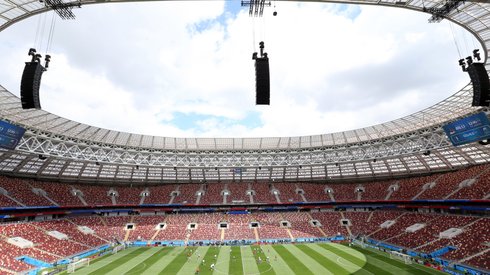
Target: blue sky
184	68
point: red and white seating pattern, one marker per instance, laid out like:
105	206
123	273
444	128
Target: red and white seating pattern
449	182
145	227
10	252
479	189
480	261
128	195
239	227
330	223
344	192
238	192
213	194
300	225
103	228
7	202
376	190
206	231
35	234
314	192
437	224
269	226
409	188
22	191
262	193
400	225
187	193
58	192
288	192
95	195
471	241
176	227
474	238
360	224
70	229
160	194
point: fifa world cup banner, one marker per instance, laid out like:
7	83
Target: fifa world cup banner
10	135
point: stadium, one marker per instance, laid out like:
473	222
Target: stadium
394	198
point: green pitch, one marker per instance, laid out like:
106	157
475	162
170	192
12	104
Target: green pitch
301	259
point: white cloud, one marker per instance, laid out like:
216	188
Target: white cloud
132	67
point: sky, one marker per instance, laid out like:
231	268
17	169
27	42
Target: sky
184	68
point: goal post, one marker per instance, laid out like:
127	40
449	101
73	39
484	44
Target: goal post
401	257
118	248
78	264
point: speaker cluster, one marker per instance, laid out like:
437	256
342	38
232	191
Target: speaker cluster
31	80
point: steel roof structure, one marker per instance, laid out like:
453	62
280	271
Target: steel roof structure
74	151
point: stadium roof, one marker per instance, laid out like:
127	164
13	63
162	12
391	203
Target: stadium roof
82	152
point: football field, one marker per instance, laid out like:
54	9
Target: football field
304	259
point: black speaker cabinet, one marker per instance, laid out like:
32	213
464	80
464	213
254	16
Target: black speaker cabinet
481	84
262	81
29	86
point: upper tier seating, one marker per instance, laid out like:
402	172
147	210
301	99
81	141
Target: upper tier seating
262	193
21	190
449	182
409	188
479	190
344	192
160	194
238	192
95	195
61	193
288	192
7	202
128	195
213	194
314	192
376	190
187	193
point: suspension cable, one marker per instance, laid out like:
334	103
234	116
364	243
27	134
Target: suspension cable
51	33
454	39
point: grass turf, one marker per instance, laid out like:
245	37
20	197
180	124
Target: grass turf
301	259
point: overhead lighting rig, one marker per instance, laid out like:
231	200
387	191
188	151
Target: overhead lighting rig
64	10
440	13
256	7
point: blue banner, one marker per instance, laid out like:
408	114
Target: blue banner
468	129
10	135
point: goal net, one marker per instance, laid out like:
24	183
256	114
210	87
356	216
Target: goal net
118	248
78	264
401	257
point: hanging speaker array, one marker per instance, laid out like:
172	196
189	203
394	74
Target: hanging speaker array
31	80
479	78
262	80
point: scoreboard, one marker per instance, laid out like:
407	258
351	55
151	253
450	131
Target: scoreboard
10	135
469	129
